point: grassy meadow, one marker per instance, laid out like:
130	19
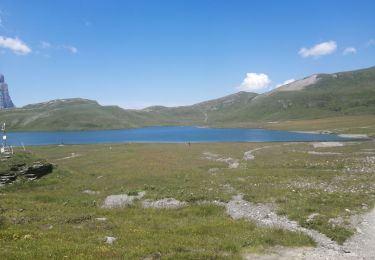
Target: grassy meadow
53	218
364	124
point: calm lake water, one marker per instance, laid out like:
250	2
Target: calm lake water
165	135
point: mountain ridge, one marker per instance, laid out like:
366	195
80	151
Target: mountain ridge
316	96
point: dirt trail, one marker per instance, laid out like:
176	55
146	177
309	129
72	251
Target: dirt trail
73	155
265	215
363	243
247	156
361	246
232	163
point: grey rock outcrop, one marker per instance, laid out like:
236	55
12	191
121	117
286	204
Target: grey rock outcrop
31	172
5	100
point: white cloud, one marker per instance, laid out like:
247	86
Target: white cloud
2	19
45	45
349	50
48	45
371	42
15	45
320	49
255	82
72	49
285	82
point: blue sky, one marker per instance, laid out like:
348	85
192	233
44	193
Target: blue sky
175	52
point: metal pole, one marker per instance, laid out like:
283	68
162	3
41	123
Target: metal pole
4	136
3	142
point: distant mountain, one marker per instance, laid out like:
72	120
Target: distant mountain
204	113
70	114
318	96
5	100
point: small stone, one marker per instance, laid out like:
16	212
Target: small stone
100	219
46	227
28	236
167	203
110	240
213	170
153	256
91	192
311	217
122	200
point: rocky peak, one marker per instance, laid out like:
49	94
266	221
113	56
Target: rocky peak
5	100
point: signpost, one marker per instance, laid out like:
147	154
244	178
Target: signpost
5	148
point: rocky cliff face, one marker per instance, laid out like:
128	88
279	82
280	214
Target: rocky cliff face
5	100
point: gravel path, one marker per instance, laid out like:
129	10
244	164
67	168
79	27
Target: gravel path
361	246
232	163
264	214
327	144
247	156
73	155
363	243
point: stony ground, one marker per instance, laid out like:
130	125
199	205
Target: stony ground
223	201
359	247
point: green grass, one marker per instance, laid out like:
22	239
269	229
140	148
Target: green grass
19	158
178	171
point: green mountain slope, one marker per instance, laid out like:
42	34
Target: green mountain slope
205	113
339	94
71	114
318	96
